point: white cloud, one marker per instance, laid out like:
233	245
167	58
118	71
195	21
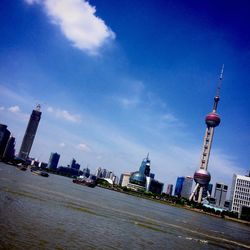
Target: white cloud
128	102
12	95
83	147
62	144
14	109
32	1
50	109
64	114
169	118
134	96
78	22
2	108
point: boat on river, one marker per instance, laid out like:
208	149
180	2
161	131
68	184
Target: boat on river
39	172
85	182
22	167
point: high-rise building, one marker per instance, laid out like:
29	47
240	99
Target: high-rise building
154	186
53	161
104	172
86	172
124	179
98	172
9	152
220	194
240	193
4	137
169	190
30	133
152	175
178	185
187	187
202	176
140	180
145	166
74	164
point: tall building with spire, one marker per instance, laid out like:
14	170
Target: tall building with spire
202	176
30	133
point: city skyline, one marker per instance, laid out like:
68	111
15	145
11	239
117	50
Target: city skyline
128	90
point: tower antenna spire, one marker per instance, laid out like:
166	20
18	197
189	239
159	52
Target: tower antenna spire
220	80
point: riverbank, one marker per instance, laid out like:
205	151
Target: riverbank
165	202
168	201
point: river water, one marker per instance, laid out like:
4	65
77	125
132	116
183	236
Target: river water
54	213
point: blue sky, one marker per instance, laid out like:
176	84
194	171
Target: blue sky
119	79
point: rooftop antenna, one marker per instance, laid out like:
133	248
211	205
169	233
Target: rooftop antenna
38	107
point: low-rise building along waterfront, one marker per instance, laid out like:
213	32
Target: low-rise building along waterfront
169	190
124	179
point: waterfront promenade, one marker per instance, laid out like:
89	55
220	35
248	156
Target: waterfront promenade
54	213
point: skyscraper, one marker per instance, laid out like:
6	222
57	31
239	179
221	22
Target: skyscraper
202	176
220	194
178	185
30	133
86	172
240	192
74	164
53	161
145	166
187	187
4	137
9	152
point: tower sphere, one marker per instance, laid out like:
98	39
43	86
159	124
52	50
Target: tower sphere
202	177
217	98
212	119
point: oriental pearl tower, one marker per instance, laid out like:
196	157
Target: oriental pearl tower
202	176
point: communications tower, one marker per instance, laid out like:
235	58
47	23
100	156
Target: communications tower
202	176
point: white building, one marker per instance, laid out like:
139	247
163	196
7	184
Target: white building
240	193
124	179
220	194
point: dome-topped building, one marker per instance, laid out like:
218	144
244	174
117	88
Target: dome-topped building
138	178
142	180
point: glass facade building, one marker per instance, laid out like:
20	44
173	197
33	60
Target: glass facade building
53	160
145	167
138	178
186	187
178	186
